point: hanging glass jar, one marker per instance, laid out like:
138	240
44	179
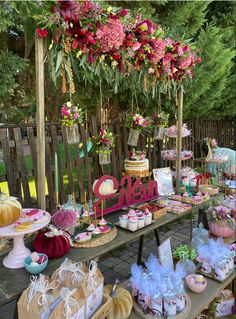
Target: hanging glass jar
133	137
72	133
104	155
158	133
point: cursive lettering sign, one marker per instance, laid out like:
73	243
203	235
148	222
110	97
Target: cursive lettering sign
126	194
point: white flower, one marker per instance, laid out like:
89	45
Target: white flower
69	104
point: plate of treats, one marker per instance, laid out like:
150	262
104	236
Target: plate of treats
174	206
135	219
94	234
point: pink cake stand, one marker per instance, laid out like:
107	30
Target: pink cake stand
15	258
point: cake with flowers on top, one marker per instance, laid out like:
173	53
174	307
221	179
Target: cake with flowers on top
137	163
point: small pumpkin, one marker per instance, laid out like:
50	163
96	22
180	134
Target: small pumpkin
64	218
122	301
53	242
10	210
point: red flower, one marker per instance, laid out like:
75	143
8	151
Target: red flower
123	12
186	48
199	60
42	33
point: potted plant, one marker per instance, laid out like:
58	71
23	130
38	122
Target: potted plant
137	123
160	121
71	116
103	145
221	221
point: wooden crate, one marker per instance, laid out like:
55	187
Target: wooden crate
159	213
105	309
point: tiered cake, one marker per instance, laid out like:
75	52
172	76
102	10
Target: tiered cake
137	164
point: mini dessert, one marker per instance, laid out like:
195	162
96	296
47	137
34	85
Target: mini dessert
42	259
177	197
31	213
96	231
199	194
39	218
139	213
131	213
133	223
141	221
148	217
35	257
102	222
83	237
22	225
104	229
91	227
85	214
185	194
123	221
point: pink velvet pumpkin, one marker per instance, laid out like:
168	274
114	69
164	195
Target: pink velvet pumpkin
52	245
64	218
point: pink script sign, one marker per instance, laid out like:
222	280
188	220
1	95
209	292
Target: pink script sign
128	193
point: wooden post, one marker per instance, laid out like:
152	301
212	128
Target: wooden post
179	137
40	118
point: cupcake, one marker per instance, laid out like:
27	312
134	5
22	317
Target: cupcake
141	221
96	231
102	222
148	217
199	194
123	221
185	194
133	223
139	213
91	227
131	213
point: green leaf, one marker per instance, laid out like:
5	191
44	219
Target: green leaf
59	60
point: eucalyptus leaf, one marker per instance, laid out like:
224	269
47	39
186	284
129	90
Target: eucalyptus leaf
59	60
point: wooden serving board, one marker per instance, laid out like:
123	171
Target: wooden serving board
132	231
182	315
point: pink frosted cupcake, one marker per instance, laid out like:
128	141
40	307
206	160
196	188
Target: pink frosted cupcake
131	213
133	223
123	221
102	222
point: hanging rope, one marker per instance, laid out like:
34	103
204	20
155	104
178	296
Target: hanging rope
101	103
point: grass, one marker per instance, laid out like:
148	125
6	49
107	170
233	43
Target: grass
31	180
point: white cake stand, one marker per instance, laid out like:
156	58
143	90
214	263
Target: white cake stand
15	258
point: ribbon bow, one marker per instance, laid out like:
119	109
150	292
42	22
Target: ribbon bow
78	273
69	302
54	232
91	283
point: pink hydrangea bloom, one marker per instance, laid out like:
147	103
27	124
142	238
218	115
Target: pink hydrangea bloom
111	36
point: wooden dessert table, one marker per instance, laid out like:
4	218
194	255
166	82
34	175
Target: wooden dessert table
198	301
13	282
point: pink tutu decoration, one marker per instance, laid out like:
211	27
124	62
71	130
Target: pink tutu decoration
222	230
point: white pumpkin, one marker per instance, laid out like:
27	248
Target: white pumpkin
106	188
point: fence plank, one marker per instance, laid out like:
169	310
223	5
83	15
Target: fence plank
8	162
21	166
49	176
56	149
32	141
97	169
87	162
68	160
79	164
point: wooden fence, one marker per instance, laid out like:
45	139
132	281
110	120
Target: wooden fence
77	174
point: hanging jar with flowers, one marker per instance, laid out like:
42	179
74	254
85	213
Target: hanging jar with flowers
104	143
71	116
160	121
137	124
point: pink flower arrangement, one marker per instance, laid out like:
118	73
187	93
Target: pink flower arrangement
138	122
222	214
71	114
117	39
137	155
111	35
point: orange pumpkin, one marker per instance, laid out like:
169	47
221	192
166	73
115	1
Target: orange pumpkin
10	210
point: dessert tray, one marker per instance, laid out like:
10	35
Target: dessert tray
133	231
181	315
193	200
82	238
157	211
174	206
